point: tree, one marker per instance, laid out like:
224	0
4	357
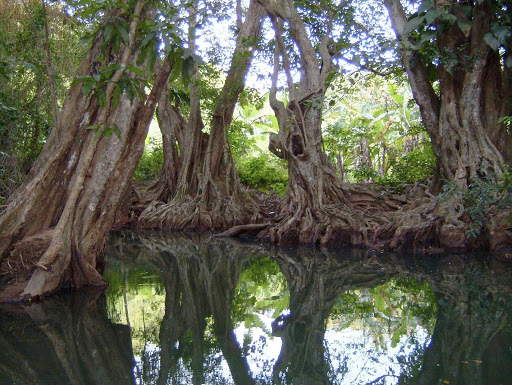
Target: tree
317	207
472	44
472	70
57	222
206	193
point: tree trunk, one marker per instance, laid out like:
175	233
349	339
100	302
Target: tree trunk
317	207
209	194
172	126
55	227
462	123
460	119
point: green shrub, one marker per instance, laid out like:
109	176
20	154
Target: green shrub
150	163
481	199
364	173
415	166
265	173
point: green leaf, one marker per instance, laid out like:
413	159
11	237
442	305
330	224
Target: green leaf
187	70
115	96
88	11
30	66
136	70
464	26
432	15
129	92
101	97
508	61
88	85
116	42
79	79
107	71
147	39
413	24
176	70
492	41
121	4
124	34
426	37
425	6
502	33
445	22
98	134
116	131
396	336
107	32
138	91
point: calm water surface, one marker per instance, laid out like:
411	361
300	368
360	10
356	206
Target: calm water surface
185	309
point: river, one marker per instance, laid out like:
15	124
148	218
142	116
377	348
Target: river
192	309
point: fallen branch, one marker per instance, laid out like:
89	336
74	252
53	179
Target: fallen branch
237	230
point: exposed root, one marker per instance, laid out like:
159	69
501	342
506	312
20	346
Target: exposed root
330	226
378	221
234	231
185	213
38	265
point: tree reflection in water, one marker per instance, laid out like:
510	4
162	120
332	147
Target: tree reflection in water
208	311
66	339
388	304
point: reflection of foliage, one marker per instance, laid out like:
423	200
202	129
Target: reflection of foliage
411	361
261	290
144	295
396	316
395	308
381	329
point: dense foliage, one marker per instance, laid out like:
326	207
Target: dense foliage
374	132
150	162
31	65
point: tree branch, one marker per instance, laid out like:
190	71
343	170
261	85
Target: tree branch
422	89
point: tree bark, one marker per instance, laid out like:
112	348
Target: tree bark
172	126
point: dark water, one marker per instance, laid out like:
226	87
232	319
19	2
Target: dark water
189	310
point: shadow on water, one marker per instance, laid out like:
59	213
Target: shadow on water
190	309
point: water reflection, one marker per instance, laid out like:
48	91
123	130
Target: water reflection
207	311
